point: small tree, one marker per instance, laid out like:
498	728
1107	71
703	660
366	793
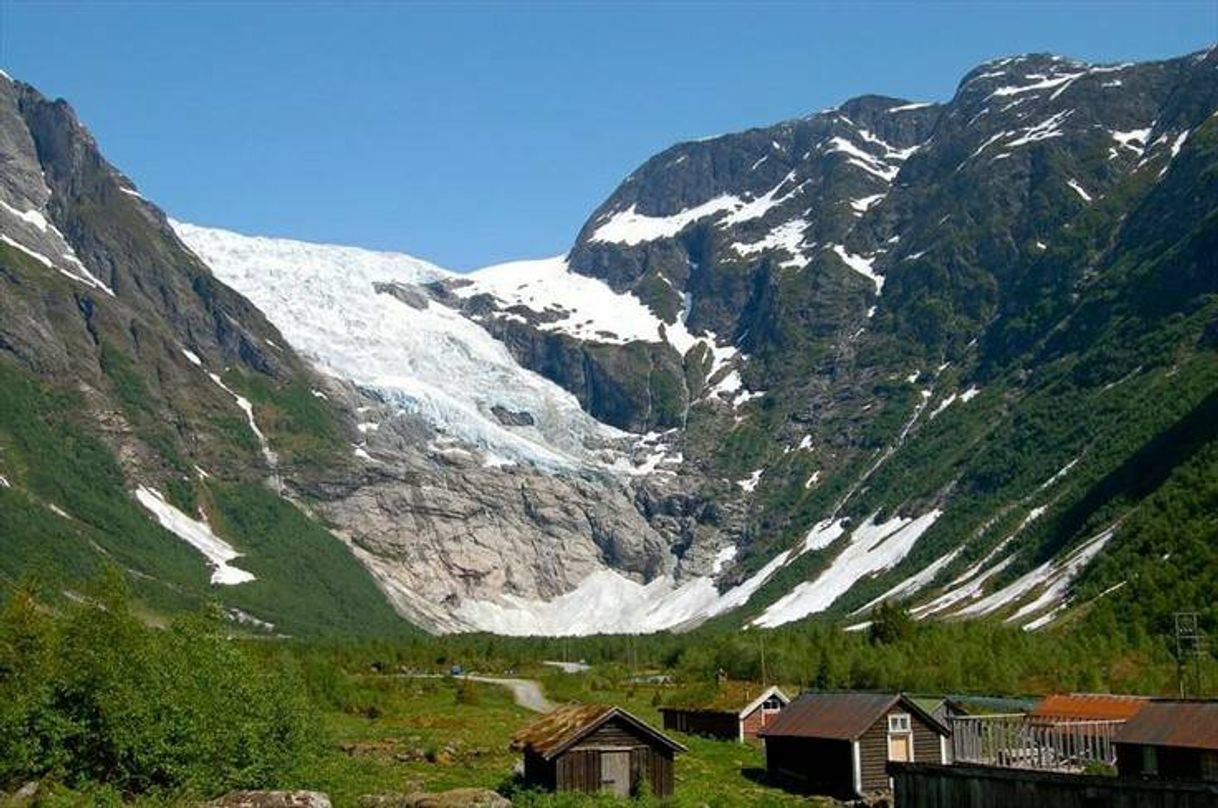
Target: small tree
889	623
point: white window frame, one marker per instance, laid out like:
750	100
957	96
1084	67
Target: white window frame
894	731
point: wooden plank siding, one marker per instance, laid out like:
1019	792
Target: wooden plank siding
873	748
712	724
918	785
579	768
538	771
816	765
752	723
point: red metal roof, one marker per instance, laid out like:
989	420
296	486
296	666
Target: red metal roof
1088	706
1191	724
839	716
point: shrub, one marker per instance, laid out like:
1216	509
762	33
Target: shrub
90	695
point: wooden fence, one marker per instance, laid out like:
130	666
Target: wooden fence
1016	741
922	785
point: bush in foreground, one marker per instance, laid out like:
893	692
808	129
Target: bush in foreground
90	695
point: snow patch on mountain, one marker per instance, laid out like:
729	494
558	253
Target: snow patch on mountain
873	548
1055	576
198	534
629	227
860	264
1133	139
787	237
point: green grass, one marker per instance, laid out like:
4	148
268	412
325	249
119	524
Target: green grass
399	734
308	583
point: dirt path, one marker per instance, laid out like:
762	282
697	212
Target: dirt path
528	693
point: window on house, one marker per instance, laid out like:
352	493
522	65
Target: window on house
898	722
771	705
1209	766
1150	760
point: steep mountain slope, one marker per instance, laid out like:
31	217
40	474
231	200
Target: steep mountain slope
933	334
955	354
140	400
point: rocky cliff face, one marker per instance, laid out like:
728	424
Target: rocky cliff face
891	350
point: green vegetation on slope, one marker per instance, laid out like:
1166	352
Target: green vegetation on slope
308	582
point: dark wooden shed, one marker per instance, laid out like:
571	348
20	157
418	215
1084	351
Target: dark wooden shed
840	744
733	711
592	748
1170	740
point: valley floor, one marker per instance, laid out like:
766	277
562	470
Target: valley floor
401	734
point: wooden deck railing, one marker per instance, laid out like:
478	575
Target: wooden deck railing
1018	742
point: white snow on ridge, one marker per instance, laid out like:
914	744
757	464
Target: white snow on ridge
38	221
1059	474
198	534
823	534
1134	140
866	203
909	107
82	276
965	397
1078	189
431	361
589	309
749	484
963	592
861	159
37	256
34	217
630	227
607	602
914	583
873	548
1046	129
861	265
722	558
787	236
968	585
246	407
1054	575
1040	82
604	602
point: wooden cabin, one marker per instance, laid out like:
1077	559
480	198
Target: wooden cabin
733	711
941	708
594	748
1170	740
840	744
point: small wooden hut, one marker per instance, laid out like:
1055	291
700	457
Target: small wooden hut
1170	740
840	744
733	711
593	748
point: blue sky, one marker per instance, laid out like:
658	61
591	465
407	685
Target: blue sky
472	133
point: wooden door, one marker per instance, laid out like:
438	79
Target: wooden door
615	772
900	746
